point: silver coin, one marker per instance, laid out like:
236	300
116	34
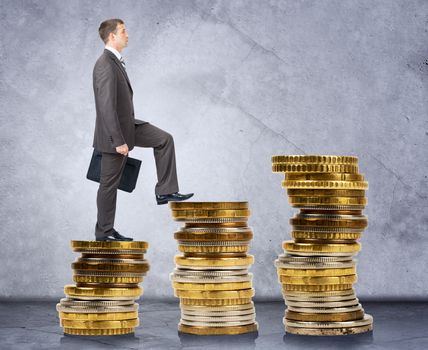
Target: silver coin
211	268
212	273
303	304
72	302
223	279
367	320
313	259
321	310
113	261
239	307
216	324
97	310
213	243
219	319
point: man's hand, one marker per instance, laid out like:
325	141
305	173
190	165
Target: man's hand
122	149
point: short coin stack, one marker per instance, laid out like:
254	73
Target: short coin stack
102	302
211	277
317	270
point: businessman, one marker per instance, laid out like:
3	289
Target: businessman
117	132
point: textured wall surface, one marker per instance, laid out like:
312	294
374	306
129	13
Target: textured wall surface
234	82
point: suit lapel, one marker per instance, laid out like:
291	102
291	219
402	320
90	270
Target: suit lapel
117	62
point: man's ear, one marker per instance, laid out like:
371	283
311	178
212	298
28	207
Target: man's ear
110	36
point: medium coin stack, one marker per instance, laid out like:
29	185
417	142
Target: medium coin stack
102	302
211	278
317	270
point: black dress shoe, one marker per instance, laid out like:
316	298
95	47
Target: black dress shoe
173	197
115	236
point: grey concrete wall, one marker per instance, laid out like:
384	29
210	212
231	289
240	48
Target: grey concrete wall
235	82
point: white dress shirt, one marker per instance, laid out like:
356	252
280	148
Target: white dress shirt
116	53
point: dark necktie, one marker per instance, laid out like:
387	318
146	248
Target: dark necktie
123	62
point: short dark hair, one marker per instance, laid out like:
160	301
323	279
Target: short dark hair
107	27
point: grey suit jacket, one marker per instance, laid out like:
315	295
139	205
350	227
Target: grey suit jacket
115	122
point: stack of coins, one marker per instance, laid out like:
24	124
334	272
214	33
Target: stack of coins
317	271
102	302
211	278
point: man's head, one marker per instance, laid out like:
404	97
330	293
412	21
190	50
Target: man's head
114	34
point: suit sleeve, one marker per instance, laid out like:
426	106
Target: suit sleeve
106	92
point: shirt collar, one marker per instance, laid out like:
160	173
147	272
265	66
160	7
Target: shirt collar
116	53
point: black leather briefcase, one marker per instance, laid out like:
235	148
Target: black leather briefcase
129	175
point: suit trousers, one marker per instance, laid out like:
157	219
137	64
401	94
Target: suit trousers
113	164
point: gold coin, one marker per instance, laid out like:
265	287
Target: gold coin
297	192
324	177
99	324
316	272
106	285
213	249
74	291
212	286
230	330
97	332
303	235
197	261
320	201
315	288
101	266
232	224
218	236
318	280
314	168
133	245
328	331
321	241
107	279
330	211
291	246
200	213
112	256
214	302
337	317
325	184
215	255
208	205
357	223
315	159
319	294
109	316
216	294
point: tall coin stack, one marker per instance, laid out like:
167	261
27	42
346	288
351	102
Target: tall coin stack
102	302
211	278
317	270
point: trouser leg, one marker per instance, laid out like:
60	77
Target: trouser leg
148	135
112	166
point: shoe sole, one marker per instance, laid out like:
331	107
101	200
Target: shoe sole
173	200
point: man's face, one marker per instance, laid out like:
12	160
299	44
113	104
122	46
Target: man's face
121	37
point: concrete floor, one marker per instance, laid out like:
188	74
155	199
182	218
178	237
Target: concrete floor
35	325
